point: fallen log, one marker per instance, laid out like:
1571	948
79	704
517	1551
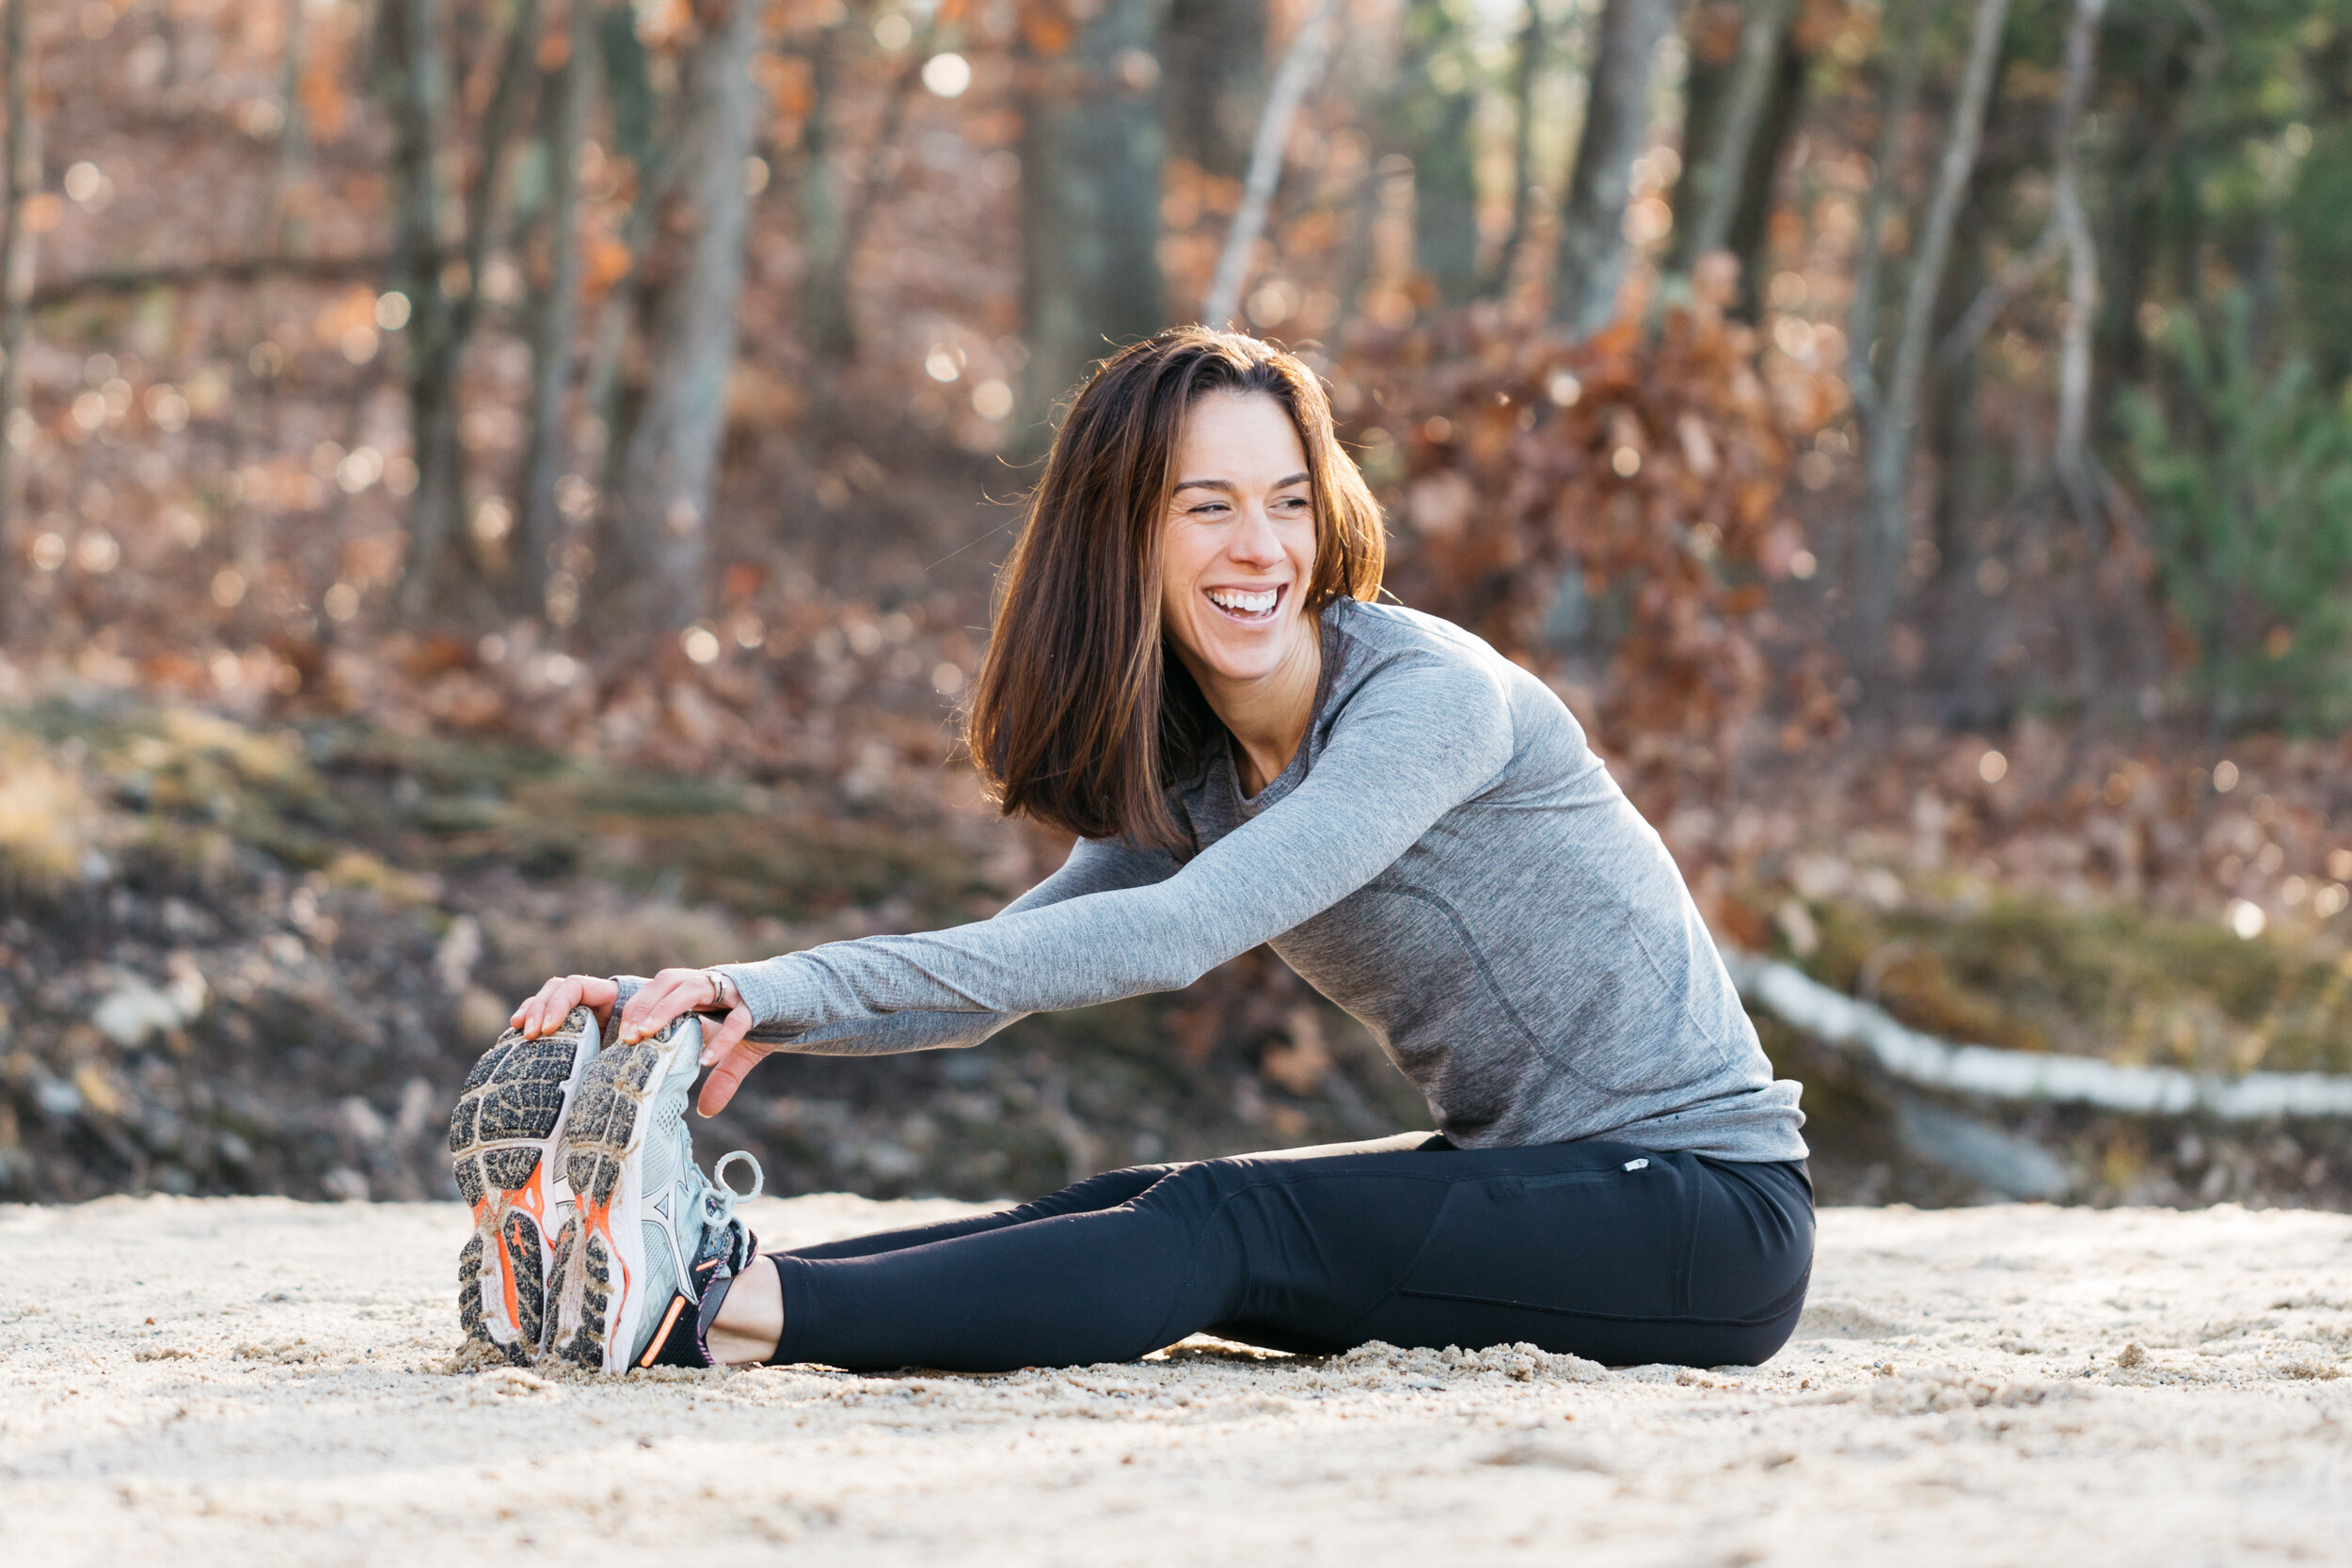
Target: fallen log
1927	1062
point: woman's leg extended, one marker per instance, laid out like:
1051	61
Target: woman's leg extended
1105	1191
1600	1248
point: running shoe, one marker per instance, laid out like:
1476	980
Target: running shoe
653	1243
504	1134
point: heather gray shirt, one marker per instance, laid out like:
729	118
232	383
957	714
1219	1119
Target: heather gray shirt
1445	858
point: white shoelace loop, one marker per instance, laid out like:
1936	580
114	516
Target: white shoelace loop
719	1178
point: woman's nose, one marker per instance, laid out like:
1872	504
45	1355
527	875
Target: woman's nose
1255	543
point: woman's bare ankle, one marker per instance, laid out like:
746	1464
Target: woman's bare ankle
750	1318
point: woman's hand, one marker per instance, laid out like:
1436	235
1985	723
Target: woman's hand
675	992
546	1012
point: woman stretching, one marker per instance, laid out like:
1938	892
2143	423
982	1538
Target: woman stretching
1189	671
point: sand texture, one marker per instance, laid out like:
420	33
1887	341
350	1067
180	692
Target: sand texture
258	1381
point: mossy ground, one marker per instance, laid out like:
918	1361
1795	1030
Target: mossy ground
363	906
2097	978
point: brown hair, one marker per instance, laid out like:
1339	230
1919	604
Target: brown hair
1080	719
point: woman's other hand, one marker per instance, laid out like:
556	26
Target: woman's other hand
735	1057
675	992
546	1010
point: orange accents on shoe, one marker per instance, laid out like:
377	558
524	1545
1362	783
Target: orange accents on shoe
669	1322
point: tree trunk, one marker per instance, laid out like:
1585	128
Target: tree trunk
21	175
2071	454
1301	64
833	219
537	529
1901	103
1712	33
1592	246
1775	137
285	215
1526	71
415	95
1888	537
1723	180
827	327
1215	55
656	545
1090	200
1445	202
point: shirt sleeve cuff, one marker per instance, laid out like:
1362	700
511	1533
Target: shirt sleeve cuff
766	991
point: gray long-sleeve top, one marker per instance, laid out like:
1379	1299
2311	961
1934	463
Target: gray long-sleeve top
1445	858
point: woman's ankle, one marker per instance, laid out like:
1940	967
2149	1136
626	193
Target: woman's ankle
750	1320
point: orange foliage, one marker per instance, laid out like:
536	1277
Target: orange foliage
1646	470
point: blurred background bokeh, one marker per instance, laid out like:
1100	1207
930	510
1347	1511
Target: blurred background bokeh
500	487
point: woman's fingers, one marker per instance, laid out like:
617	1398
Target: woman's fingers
672	993
728	1076
730	1031
549	1005
656	1002
553	1003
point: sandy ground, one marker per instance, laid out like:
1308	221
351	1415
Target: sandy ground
257	1381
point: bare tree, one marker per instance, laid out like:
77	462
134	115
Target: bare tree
2071	454
16	268
416	94
443	308
1090	153
1901	103
286	222
828	327
1592	246
1301	65
537	528
1526	71
655	547
1887	520
1719	182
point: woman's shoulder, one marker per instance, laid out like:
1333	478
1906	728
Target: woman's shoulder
1389	661
1391	635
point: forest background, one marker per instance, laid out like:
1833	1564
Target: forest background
498	487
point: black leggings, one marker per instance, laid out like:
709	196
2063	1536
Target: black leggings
1612	1252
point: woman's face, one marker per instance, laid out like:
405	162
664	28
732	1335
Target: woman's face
1239	545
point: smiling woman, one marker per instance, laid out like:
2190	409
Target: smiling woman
1198	464
1188	674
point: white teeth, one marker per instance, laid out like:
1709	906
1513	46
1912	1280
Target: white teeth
1243	603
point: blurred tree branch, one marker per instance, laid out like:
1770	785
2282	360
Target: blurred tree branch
1300	65
1895	115
1526	70
555	318
23	176
372	267
1592	246
655	539
1719	181
415	96
1886	521
2071	453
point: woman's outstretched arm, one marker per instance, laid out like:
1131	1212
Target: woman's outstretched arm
1092	867
1410	747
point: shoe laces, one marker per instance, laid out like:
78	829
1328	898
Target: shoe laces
720	1197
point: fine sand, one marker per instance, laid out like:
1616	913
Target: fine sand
257	1381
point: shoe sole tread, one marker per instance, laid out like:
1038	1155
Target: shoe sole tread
606	1133
501	1139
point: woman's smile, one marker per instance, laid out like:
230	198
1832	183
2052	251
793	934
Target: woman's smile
1248	605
